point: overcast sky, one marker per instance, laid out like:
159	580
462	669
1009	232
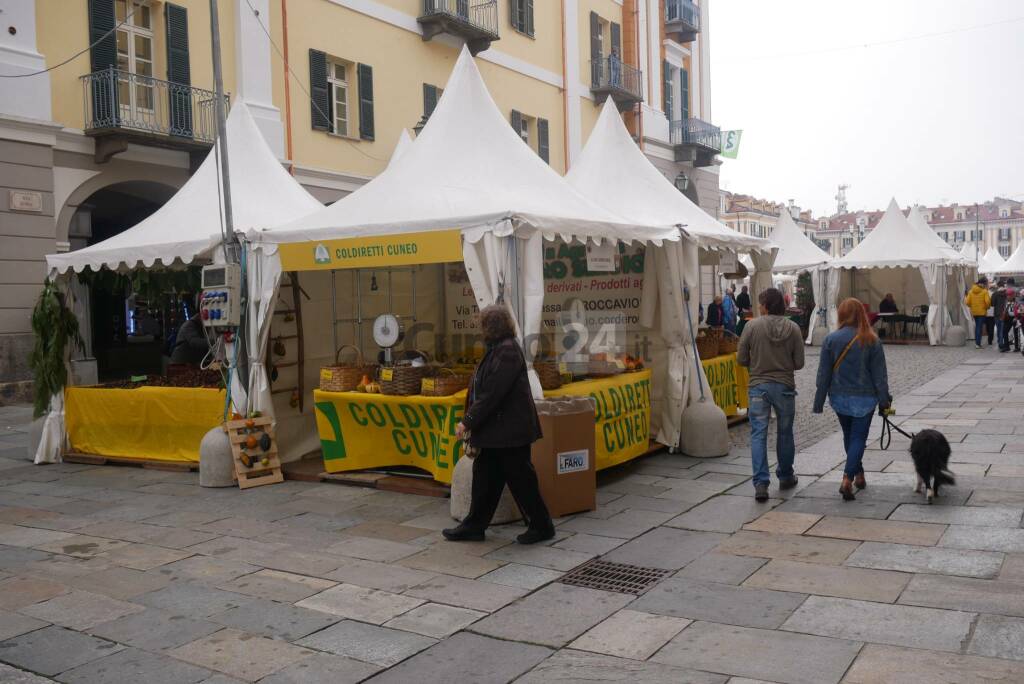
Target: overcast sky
929	120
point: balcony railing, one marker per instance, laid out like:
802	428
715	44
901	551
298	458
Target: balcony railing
682	19
695	141
476	22
120	101
611	76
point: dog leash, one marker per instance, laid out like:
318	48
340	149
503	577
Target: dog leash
887	427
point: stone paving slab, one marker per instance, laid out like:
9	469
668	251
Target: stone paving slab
373	575
522	576
369	643
358	603
722	514
580	667
589	543
834	505
830	580
13	624
721	603
552	616
984	538
865	529
245	656
923	559
18	592
321	669
435	620
465	593
192	600
879	664
275	620
155	630
623	525
458	659
277	586
448	562
666	548
630	634
1013	568
723	568
788	547
53	650
783	522
542	556
999	637
133	665
748	652
81	609
118	582
963	593
144	556
206	569
896	625
12	675
994	516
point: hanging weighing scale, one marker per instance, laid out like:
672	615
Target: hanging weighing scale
387	332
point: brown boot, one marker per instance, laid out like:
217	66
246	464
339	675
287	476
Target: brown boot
859	482
846	489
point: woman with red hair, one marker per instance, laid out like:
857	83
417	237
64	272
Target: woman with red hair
853	374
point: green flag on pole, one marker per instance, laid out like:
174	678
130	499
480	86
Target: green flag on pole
731	143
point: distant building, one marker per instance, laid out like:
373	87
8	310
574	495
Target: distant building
754	216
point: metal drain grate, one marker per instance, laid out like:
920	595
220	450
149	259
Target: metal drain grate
620	577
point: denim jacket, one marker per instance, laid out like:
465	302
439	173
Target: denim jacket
862	372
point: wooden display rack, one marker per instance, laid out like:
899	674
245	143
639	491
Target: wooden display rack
238	433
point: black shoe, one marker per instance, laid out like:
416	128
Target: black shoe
535	536
463	533
789	482
760	492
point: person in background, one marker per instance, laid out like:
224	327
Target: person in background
190	344
729	311
853	374
715	317
990	316
978	301
743	300
773	349
501	421
888	305
999	301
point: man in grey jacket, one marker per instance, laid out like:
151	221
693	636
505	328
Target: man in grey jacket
772	348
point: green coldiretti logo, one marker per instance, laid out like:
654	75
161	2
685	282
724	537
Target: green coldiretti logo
333	449
321	255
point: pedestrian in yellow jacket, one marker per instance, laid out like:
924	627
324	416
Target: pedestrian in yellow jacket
978	300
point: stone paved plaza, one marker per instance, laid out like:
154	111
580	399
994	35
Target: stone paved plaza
113	574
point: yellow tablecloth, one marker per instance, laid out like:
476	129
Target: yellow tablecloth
146	423
359	430
728	382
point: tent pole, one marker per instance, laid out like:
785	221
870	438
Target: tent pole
222	129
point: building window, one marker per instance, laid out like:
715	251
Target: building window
958	236
522	16
532	129
1004	213
975	235
1004	251
337	80
1004	234
944	236
847	242
823	225
134	56
959	216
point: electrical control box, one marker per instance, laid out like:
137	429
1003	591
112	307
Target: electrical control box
220	303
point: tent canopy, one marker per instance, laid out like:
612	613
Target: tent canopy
896	243
917	220
796	251
612	170
467	170
1015	264
189	225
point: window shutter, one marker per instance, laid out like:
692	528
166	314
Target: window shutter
178	71
543	148
513	13
320	96
366	128
595	49
103	56
684	93
429	100
667	89
529	17
616	32
517	122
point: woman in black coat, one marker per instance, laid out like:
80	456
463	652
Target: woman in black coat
501	421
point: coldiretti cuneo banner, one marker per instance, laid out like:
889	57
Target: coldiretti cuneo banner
623	412
727	381
359	430
403	249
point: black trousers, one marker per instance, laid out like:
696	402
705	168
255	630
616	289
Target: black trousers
990	328
492	470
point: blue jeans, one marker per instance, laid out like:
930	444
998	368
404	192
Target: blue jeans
979	329
855	438
1002	339
764	398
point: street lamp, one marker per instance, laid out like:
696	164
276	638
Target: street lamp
682	182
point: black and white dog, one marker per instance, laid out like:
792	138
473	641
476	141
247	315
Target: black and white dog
930	451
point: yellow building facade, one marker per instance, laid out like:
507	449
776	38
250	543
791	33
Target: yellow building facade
113	107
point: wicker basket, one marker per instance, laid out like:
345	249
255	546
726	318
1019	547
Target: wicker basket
549	373
707	346
604	369
728	344
446	383
404	379
345	377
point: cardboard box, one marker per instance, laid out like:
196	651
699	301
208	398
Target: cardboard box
564	457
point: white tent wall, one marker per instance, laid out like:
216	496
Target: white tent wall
819	291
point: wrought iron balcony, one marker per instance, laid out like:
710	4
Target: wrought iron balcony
476	23
695	141
120	106
611	76
682	20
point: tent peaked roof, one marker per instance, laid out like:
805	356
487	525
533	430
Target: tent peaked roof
796	251
917	220
401	147
895	243
1015	264
189	224
468	170
612	170
991	261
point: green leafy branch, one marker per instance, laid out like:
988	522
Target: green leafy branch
55	326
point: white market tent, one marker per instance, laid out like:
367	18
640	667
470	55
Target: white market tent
897	257
1014	265
613	171
188	226
916	219
797	253
467	170
988	263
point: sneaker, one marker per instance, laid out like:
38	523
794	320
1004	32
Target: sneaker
463	533
789	482
761	492
977	346
535	536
